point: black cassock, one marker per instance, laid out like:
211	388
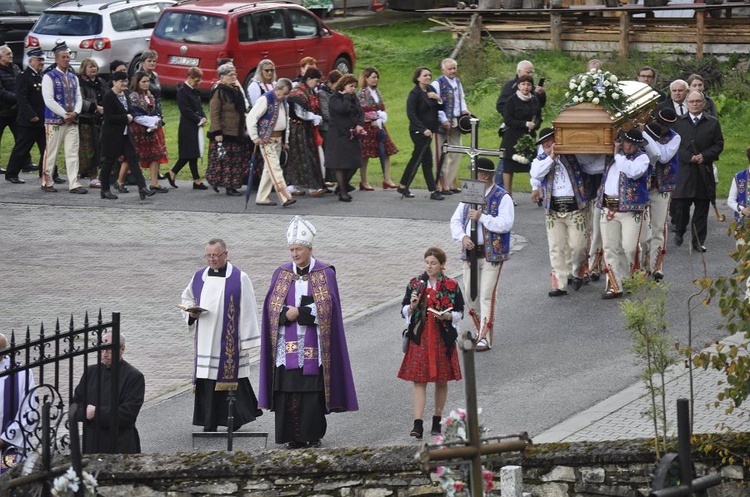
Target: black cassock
97	435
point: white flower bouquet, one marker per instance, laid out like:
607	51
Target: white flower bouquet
598	87
525	149
67	485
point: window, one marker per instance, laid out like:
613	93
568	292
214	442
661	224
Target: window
147	15
35	7
9	8
69	24
191	27
269	25
303	24
124	20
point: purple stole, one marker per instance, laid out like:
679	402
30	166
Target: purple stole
310	353
230	340
9	412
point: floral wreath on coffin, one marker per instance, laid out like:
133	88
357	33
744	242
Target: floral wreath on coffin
597	87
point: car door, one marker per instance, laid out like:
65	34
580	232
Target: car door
305	28
265	35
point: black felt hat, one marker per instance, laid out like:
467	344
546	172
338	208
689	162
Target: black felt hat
667	115
653	129
544	134
485	164
464	123
634	136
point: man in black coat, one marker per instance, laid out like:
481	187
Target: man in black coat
678	90
116	139
30	117
524	68
8	73
94	411
702	142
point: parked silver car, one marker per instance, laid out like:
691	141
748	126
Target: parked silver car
104	30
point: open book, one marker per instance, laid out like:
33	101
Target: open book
439	313
192	308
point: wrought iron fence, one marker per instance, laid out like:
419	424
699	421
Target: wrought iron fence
38	381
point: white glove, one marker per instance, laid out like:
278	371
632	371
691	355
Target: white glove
383	116
379	123
317	120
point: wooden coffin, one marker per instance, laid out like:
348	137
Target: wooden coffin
587	128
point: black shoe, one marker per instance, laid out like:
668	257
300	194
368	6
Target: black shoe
595	276
557	292
15	180
121	188
455	190
30	168
2	170
233	193
677	239
611	294
145	192
436	428
158	189
405	192
216	188
347	198
418	429
296	445
314	444
108	195
79	190
49	189
436	195
577	284
289	202
699	248
58	180
198	186
161	176
171	180
446	192
350	188
658	276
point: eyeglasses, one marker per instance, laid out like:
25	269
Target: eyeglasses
269	70
210	257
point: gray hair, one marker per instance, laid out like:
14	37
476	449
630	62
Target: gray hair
699	93
523	64
219	241
284	83
5	49
447	61
679	82
225	69
149	54
261	65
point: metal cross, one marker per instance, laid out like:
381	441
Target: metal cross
473	151
475	448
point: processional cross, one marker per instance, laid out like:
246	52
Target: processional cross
473	189
474	448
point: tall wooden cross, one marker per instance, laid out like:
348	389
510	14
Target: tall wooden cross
475	447
473	151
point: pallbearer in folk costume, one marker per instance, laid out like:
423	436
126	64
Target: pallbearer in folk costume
663	145
224	333
304	362
623	197
494	222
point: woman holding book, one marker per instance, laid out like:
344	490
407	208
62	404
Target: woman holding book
433	306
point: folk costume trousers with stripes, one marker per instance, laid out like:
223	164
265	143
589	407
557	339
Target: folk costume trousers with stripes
272	177
451	162
620	238
65	135
595	237
654	239
567	238
482	309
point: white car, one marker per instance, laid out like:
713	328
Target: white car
103	30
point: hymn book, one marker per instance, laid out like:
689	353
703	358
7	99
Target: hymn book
191	308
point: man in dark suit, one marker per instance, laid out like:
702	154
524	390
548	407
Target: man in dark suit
94	404
702	142
116	140
678	90
647	75
30	118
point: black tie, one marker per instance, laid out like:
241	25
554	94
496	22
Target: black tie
695	121
682	110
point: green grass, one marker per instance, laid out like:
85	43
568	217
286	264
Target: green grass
396	50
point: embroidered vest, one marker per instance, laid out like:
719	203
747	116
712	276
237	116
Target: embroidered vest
570	163
741	179
666	173
633	193
267	122
496	245
65	88
449	95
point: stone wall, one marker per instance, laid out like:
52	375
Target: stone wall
614	469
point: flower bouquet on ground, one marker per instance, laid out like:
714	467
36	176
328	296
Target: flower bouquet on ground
598	87
456	429
68	484
525	150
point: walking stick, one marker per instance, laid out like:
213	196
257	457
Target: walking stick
250	175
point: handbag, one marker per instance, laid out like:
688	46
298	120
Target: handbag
404	341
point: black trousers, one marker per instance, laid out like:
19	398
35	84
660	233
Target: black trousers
26	138
193	167
131	157
699	225
422	154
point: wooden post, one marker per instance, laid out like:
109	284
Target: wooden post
700	22
624	34
555	31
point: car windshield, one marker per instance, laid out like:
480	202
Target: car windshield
191	27
68	24
36	7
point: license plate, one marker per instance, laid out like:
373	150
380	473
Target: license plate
183	61
51	55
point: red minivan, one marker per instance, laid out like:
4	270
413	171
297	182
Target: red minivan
202	32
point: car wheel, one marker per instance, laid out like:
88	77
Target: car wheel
248	78
343	65
135	66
